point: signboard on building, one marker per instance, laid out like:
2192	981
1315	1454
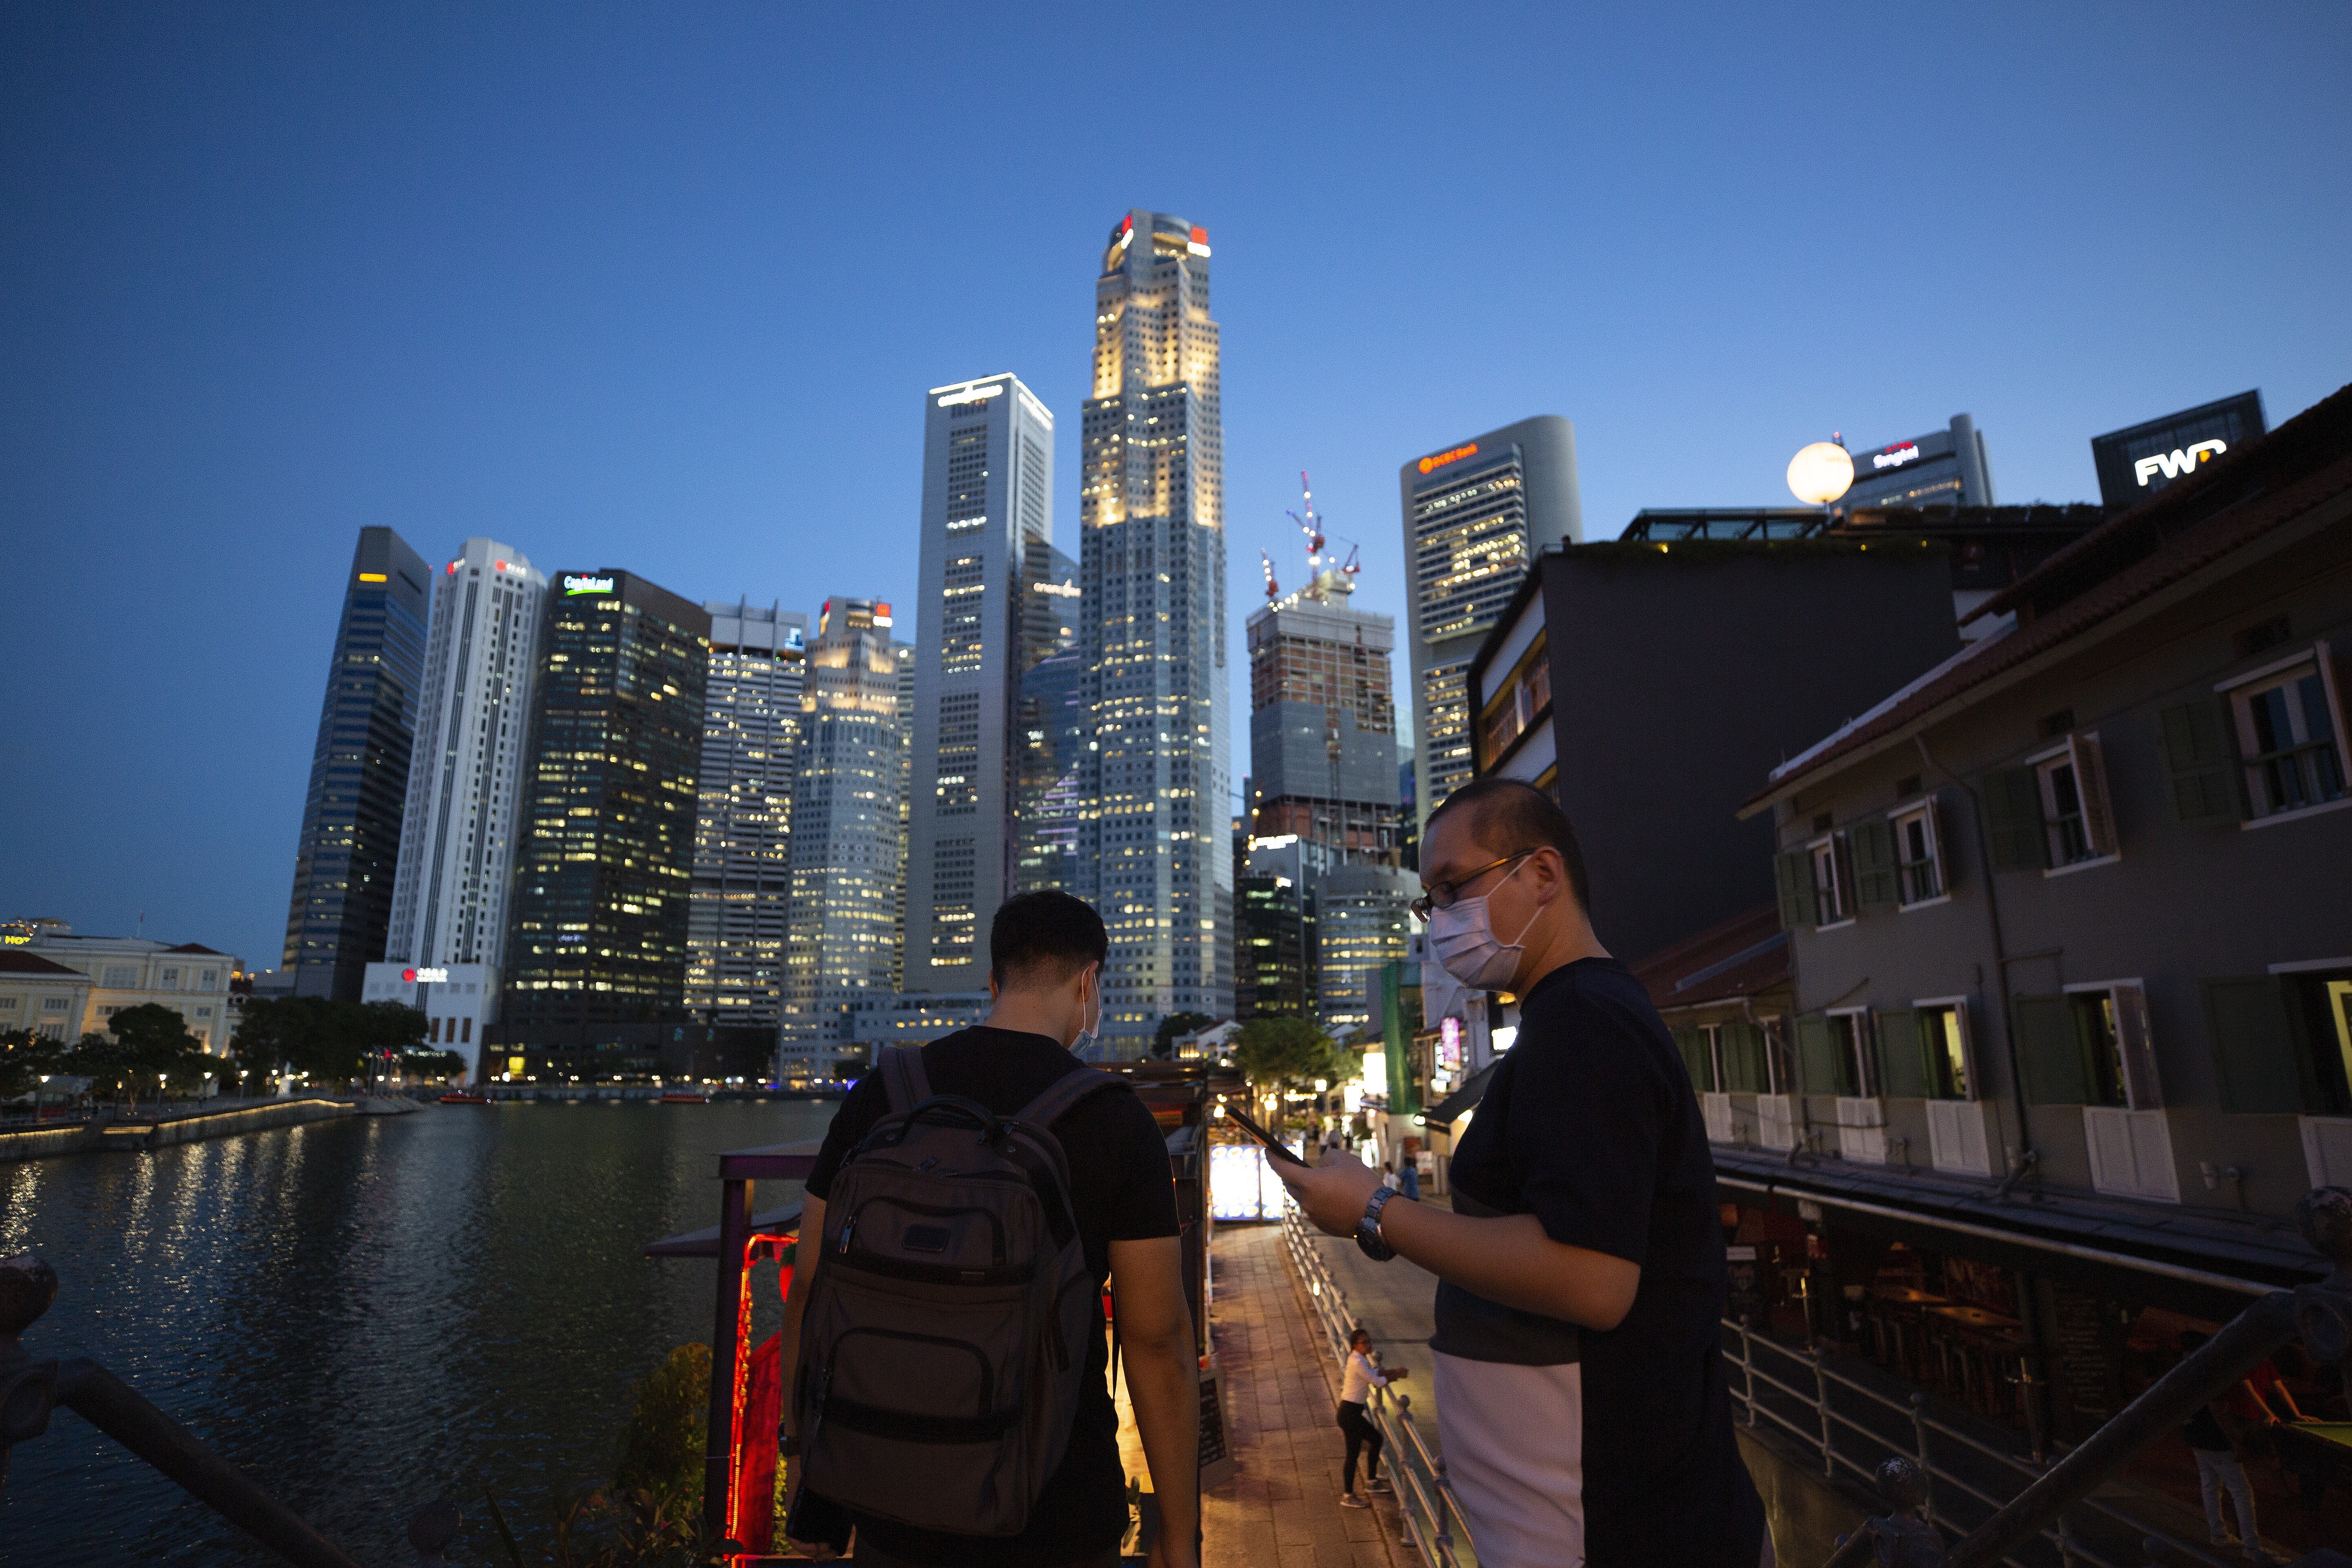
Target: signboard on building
2136	463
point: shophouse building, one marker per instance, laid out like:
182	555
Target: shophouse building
2070	1009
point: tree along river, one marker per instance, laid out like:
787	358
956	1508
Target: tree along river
369	1313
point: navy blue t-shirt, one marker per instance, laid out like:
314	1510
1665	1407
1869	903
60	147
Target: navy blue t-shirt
1589	1125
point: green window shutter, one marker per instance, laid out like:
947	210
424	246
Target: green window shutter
2013	825
1796	876
2203	760
2047	1051
2254	1060
1691	1043
1902	1062
1821	1066
1874	862
1743	1059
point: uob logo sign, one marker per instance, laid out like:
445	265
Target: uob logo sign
2174	464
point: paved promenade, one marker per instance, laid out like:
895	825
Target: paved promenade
1395	1300
1281	1509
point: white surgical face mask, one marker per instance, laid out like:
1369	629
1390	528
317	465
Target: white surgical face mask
1087	1040
1464	940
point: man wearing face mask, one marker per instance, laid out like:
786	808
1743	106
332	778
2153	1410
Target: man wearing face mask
1580	1384
1045	958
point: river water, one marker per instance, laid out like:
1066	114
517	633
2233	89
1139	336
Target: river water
365	1314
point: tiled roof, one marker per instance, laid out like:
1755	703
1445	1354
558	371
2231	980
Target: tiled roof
15	962
2303	465
197	947
1742	957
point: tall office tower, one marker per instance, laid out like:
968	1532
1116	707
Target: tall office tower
349	854
1361	922
1154	849
736	919
447	941
1943	467
988	475
1323	749
1474	514
1051	726
596	948
903	656
845	839
1275	968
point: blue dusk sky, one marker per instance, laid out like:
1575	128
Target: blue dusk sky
661	287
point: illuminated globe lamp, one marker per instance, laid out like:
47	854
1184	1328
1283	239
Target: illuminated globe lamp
1820	473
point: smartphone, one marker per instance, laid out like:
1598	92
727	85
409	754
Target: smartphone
1243	1120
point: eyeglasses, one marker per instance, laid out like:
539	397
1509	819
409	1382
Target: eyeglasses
1441	895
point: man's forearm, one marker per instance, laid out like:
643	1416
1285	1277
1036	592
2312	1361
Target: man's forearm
1508	1258
1163	1380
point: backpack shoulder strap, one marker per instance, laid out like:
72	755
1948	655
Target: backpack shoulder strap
903	1078
1064	1092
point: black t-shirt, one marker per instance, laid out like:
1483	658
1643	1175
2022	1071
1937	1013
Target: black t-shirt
1120	1190
1589	1125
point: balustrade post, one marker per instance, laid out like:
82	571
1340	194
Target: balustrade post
1821	1408
1919	1440
1748	1366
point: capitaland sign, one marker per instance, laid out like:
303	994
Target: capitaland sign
2172	465
972	394
1896	456
573	586
1467	449
426	976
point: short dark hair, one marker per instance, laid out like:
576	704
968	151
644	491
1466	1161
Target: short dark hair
1046	936
1513	814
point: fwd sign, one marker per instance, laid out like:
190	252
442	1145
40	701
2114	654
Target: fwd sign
2174	464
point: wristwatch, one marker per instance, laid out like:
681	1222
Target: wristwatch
1368	1229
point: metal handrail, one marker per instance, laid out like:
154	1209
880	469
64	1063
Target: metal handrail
1433	1514
1942	1481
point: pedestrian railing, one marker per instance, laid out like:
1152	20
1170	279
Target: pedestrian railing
1432	1514
30	1390
2048	1513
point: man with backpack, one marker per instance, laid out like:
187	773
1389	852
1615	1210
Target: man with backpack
943	1343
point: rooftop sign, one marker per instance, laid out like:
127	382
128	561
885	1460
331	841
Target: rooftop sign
1467	449
576	586
426	976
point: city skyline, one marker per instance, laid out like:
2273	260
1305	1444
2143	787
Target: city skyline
570	307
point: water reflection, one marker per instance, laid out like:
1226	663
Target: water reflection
365	1313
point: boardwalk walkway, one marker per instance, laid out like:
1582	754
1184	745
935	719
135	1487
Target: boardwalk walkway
1281	1509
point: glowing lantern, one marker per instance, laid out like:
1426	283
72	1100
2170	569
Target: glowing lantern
1820	473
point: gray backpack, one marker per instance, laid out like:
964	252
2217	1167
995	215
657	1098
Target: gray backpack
945	1327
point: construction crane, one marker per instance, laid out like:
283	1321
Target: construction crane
1272	590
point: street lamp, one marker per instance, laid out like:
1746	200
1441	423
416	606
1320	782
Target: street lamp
1820	473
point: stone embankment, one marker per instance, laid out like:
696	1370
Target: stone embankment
118	1131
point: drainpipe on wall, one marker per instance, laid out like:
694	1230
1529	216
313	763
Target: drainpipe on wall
2027	1159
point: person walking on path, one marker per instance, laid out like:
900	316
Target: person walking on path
1356	1388
1046	952
1409	1178
1580	1386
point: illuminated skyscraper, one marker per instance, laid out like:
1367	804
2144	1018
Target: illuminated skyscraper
742	824
1051	726
458	834
845	842
349	853
596	950
1154	854
988	474
1476	513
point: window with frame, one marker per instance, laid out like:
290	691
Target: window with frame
2288	734
1851	1032
2074	804
1943	1042
1918	860
1832	882
171	977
